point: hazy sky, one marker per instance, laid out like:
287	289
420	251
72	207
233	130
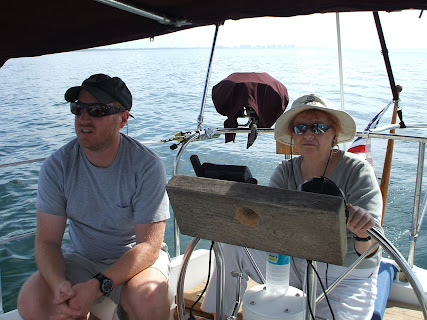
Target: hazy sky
401	30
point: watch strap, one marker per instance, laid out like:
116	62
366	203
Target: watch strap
105	284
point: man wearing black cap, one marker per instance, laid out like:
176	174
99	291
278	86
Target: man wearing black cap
112	191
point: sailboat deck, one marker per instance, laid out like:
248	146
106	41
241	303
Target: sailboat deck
402	312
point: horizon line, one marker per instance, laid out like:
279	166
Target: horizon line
284	46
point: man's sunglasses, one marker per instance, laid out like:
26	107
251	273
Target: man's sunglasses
316	128
94	109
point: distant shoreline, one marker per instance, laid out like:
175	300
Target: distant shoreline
249	47
218	47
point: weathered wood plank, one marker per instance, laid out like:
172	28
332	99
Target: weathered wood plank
299	224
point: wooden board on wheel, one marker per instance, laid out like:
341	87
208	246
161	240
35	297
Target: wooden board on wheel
299	224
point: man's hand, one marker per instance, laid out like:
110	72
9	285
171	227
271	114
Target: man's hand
63	293
85	295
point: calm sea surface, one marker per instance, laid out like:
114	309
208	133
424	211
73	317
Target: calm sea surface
167	86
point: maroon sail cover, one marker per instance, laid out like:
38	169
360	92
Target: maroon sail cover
260	91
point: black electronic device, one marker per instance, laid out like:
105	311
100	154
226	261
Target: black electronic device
222	171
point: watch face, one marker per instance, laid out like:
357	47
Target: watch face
107	286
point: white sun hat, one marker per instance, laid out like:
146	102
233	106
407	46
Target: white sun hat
311	101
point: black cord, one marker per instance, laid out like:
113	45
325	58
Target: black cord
327	163
323	288
191	317
329	158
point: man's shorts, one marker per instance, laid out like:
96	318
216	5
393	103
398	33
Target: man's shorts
78	269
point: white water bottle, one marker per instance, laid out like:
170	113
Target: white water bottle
277	277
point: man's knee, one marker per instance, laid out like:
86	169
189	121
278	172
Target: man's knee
24	303
146	301
34	298
149	293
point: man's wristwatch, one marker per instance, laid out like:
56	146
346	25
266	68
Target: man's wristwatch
105	285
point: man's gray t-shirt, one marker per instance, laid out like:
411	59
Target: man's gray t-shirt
104	204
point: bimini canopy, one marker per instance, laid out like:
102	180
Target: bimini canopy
36	27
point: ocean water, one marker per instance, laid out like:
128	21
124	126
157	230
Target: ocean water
167	86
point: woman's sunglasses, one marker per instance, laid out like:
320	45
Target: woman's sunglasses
94	109
316	128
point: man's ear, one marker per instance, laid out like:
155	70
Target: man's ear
124	116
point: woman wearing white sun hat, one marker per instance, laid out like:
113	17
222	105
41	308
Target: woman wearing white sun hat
314	127
283	132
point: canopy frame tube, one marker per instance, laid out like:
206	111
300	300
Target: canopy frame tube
144	13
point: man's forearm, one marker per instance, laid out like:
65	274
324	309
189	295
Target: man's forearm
50	262
137	259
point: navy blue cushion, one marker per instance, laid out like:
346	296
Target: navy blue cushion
385	279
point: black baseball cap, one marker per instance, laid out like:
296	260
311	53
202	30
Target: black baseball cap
104	88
